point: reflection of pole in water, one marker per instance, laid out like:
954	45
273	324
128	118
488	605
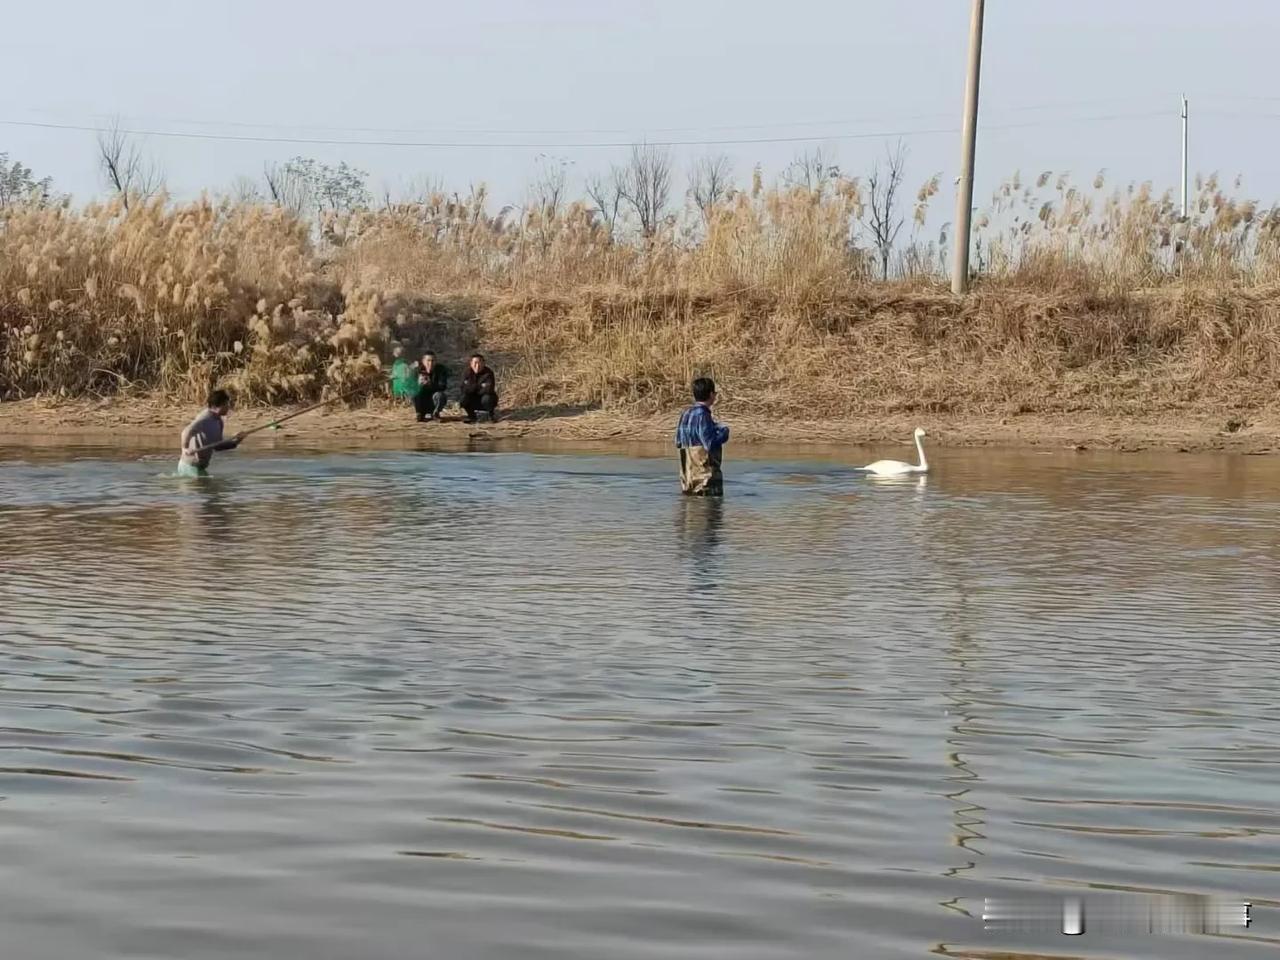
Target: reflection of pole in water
965	812
961	650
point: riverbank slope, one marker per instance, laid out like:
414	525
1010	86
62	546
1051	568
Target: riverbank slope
158	422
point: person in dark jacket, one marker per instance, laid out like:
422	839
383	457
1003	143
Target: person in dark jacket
433	387
479	390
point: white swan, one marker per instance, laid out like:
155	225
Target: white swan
896	468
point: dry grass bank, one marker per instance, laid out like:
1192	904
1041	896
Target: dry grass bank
1090	302
887	350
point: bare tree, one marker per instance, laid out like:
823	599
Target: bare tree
812	170
418	190
422	188
710	183
546	199
884	218
645	184
287	188
131	175
606	194
244	190
548	189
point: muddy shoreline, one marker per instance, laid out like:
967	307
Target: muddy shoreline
157	423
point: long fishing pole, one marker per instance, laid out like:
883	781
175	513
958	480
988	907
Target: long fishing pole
276	423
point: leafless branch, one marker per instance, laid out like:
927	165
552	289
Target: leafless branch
710	183
645	184
607	196
546	192
417	191
811	170
128	173
245	190
286	188
546	198
885	220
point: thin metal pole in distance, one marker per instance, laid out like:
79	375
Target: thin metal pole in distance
1184	157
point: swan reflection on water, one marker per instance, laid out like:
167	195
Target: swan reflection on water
916	481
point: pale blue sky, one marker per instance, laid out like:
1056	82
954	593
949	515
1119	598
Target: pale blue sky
1068	84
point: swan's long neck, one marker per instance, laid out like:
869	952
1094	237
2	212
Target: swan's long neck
920	450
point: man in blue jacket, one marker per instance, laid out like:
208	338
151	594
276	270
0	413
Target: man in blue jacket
700	441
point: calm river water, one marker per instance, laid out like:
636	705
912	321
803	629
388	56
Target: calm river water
386	705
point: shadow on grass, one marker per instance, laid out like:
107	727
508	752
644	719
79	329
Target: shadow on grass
453	414
548	411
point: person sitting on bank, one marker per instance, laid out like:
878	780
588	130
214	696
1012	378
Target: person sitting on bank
479	390
433	386
700	440
204	435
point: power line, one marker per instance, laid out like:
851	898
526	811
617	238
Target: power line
629	131
455	144
1246	114
1223	96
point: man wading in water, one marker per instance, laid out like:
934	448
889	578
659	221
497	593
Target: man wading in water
700	439
205	435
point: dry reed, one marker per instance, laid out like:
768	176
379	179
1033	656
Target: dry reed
1088	299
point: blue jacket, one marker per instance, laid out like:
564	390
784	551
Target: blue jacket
699	429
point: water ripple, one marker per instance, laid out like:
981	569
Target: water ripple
534	704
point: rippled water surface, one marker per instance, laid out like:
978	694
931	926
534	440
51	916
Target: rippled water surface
477	705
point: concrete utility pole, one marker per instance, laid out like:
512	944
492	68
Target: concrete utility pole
1184	157
964	197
